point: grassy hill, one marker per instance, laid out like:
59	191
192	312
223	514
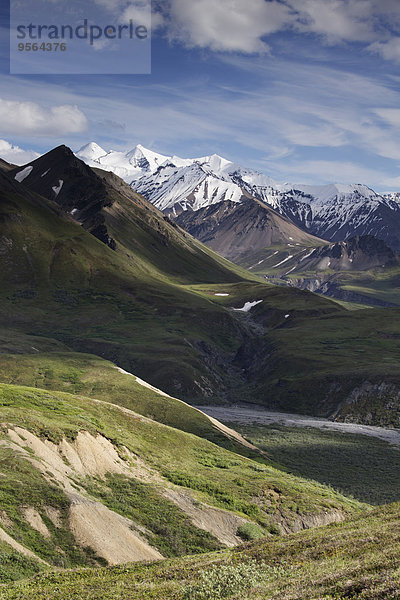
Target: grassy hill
356	560
93	377
86	482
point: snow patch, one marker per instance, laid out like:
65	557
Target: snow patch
259	262
282	261
248	306
21	175
221	294
287	316
57	188
45	173
307	255
290	270
74	211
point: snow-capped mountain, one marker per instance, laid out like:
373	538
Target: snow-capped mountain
333	212
127	165
176	189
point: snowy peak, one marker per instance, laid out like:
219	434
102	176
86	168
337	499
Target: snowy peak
142	158
127	165
140	161
214	162
175	189
91	151
326	193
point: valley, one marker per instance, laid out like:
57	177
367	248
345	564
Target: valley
117	324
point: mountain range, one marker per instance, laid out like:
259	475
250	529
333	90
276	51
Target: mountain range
268	227
333	212
90	263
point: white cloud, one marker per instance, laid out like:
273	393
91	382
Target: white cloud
389	50
16	155
140	13
238	26
137	10
226	25
336	20
390	115
29	118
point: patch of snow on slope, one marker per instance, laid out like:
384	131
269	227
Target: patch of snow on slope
57	188
307	255
282	261
248	306
221	294
21	175
290	270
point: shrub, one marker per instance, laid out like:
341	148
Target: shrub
224	581
250	532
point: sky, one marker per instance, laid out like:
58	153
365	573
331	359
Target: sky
306	91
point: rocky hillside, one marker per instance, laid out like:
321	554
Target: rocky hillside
234	229
87	482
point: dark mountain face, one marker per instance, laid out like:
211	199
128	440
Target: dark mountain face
363	269
355	254
232	229
340	217
60	176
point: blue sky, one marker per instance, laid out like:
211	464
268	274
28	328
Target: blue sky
304	90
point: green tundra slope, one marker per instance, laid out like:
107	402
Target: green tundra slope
121	282
94	377
86	482
355	560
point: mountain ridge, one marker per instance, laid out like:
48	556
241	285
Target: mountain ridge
333	212
161	299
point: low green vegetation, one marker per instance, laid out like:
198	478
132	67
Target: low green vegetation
250	532
360	466
209	474
226	581
14	565
170	530
354	560
94	377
